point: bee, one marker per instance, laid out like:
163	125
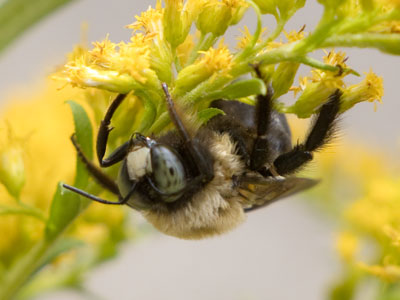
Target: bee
195	183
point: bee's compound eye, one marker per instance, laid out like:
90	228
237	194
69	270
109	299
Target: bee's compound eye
168	171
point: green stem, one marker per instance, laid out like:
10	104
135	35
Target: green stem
279	28
389	43
18	15
25	267
23	210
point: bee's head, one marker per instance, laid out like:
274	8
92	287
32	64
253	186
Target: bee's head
156	164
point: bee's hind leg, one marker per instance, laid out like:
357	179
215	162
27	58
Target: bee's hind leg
321	132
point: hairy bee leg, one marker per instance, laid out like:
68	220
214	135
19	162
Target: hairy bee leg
203	164
101	178
104	131
322	130
121	200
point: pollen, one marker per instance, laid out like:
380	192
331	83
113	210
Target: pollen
149	21
370	89
217	59
294	36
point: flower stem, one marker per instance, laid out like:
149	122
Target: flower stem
24	268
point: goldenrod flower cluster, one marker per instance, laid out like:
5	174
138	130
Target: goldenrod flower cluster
180	43
363	188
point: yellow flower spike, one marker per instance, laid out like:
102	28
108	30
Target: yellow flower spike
388	273
114	67
12	167
215	61
370	89
347	245
150	22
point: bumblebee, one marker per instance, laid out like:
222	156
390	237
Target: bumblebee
194	183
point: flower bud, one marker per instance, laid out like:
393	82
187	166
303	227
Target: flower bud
175	24
214	18
283	77
12	169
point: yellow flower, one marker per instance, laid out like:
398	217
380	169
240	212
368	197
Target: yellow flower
370	89
388	273
45	120
214	62
347	245
12	167
150	21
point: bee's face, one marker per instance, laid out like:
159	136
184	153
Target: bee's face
157	165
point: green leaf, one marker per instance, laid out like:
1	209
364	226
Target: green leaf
65	206
16	16
84	137
240	89
206	114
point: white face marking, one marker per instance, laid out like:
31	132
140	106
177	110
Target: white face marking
138	163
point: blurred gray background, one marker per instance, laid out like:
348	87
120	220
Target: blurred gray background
281	253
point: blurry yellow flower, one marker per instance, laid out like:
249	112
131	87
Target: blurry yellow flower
45	120
388	273
347	245
12	168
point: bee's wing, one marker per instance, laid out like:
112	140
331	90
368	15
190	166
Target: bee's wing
260	191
